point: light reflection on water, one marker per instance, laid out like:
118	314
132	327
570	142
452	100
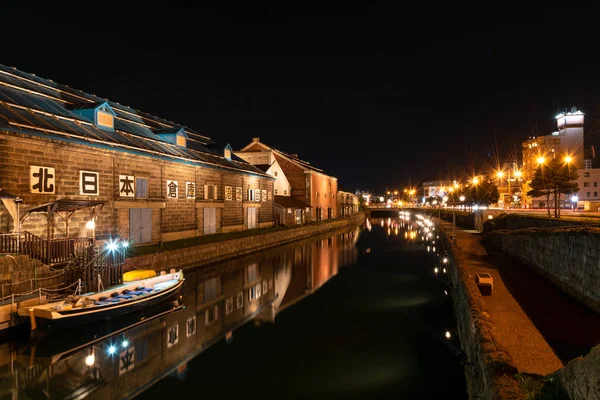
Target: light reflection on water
375	330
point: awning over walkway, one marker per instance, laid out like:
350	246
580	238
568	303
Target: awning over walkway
289	202
68	207
64	205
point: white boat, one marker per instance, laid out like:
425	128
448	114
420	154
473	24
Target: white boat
111	303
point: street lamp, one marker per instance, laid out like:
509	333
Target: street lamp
18	201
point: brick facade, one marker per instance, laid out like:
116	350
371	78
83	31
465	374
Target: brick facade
172	218
308	185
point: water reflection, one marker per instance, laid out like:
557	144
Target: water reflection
124	357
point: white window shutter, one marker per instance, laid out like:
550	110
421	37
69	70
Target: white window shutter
215	195
205	192
250	192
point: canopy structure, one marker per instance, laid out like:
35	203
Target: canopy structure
68	207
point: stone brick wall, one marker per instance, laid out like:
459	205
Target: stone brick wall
567	257
20	274
580	378
171	217
489	369
208	253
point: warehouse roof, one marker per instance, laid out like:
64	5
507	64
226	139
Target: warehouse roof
37	106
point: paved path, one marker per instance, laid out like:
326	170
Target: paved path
513	328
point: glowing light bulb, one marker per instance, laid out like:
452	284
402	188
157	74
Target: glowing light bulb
90	360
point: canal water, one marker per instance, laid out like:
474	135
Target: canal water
359	313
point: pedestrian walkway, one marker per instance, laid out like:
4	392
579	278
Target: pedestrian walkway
513	329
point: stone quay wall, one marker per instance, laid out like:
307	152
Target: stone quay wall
489	370
580	378
195	256
568	257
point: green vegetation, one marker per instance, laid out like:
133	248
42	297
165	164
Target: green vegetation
541	387
484	192
218	237
554	177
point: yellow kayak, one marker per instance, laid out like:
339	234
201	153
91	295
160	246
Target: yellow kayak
138	274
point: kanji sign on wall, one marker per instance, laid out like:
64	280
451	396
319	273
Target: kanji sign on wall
89	183
190	190
126	185
173	336
42	180
256	194
264	195
228	193
172	189
190	327
238	193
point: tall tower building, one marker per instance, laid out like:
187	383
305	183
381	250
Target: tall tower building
568	139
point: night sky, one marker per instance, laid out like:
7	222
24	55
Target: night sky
377	95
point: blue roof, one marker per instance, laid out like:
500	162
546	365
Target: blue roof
33	105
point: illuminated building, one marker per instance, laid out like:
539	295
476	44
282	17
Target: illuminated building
310	184
566	140
66	152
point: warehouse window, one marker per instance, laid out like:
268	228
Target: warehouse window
141	188
105	119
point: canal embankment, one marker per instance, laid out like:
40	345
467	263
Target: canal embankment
207	253
520	336
568	257
499	342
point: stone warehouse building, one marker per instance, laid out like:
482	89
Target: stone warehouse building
88	167
314	192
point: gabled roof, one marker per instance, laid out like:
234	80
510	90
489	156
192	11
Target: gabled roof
263	167
40	107
291	157
290	202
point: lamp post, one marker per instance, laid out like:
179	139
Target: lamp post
18	201
517	175
500	174
574	200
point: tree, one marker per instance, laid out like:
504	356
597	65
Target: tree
556	177
565	183
541	186
485	192
361	202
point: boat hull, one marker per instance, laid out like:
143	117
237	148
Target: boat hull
77	317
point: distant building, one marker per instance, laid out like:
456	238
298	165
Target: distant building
588	197
88	167
347	203
567	140
434	188
310	185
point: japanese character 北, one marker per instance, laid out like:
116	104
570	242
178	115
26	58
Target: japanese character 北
86	167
